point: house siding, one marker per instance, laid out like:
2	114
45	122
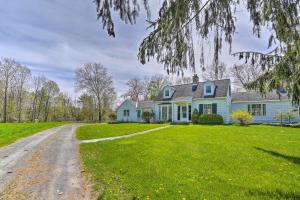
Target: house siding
272	108
127	105
222	107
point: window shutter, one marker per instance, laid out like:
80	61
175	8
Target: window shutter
214	108
264	109
200	109
178	112
249	110
190	112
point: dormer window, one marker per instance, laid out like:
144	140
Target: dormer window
167	93
208	89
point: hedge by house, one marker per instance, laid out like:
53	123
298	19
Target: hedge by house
212	119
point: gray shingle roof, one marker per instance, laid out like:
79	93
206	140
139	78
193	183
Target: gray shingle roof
254	96
185	90
145	104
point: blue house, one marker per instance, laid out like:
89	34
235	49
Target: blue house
176	103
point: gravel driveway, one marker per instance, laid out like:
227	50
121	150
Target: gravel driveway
43	166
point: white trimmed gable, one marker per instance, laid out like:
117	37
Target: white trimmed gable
168	92
209	88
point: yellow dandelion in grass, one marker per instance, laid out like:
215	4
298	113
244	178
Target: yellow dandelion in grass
183	198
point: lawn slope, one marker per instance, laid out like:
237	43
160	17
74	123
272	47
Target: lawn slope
109	130
10	132
198	162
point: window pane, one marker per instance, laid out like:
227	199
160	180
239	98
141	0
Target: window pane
170	113
184	112
164	113
167	93
256	109
208	89
207	109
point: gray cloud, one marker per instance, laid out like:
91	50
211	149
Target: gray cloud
55	37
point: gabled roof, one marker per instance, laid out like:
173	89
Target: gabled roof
185	90
255	96
145	104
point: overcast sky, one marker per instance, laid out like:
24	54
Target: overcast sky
54	37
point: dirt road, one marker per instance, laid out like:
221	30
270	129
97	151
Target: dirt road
44	166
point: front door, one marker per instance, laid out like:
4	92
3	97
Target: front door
184	113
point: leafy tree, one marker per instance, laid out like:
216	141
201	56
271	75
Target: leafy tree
7	74
171	41
112	117
243	116
93	79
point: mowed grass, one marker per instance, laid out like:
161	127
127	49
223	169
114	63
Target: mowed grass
109	130
10	132
198	162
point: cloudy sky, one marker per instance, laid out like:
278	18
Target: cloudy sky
54	37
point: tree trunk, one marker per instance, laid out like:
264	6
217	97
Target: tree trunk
46	110
5	102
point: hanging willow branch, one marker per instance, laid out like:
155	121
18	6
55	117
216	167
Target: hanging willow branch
171	41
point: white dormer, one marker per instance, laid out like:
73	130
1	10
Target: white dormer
168	92
209	88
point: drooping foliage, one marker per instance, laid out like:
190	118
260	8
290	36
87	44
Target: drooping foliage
172	40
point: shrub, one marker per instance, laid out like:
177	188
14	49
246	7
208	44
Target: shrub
147	116
212	119
243	116
112	117
195	116
285	116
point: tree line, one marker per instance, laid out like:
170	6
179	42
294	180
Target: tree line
149	87
28	98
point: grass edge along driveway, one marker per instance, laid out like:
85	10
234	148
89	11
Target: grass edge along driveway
198	162
11	132
96	131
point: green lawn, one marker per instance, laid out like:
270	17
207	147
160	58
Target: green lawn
109	130
198	162
10	132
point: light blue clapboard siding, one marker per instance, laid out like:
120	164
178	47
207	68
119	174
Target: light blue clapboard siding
272	108
222	107
127	105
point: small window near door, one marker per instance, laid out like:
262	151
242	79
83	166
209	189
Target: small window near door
184	112
139	113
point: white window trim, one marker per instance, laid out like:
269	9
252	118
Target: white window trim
255	113
207	107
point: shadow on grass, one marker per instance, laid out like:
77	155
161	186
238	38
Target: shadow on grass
276	194
293	159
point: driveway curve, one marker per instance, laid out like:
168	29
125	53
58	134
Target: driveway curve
43	166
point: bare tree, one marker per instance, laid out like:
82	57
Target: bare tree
7	73
245	73
38	82
154	85
22	76
183	80
135	90
93	79
215	72
50	90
